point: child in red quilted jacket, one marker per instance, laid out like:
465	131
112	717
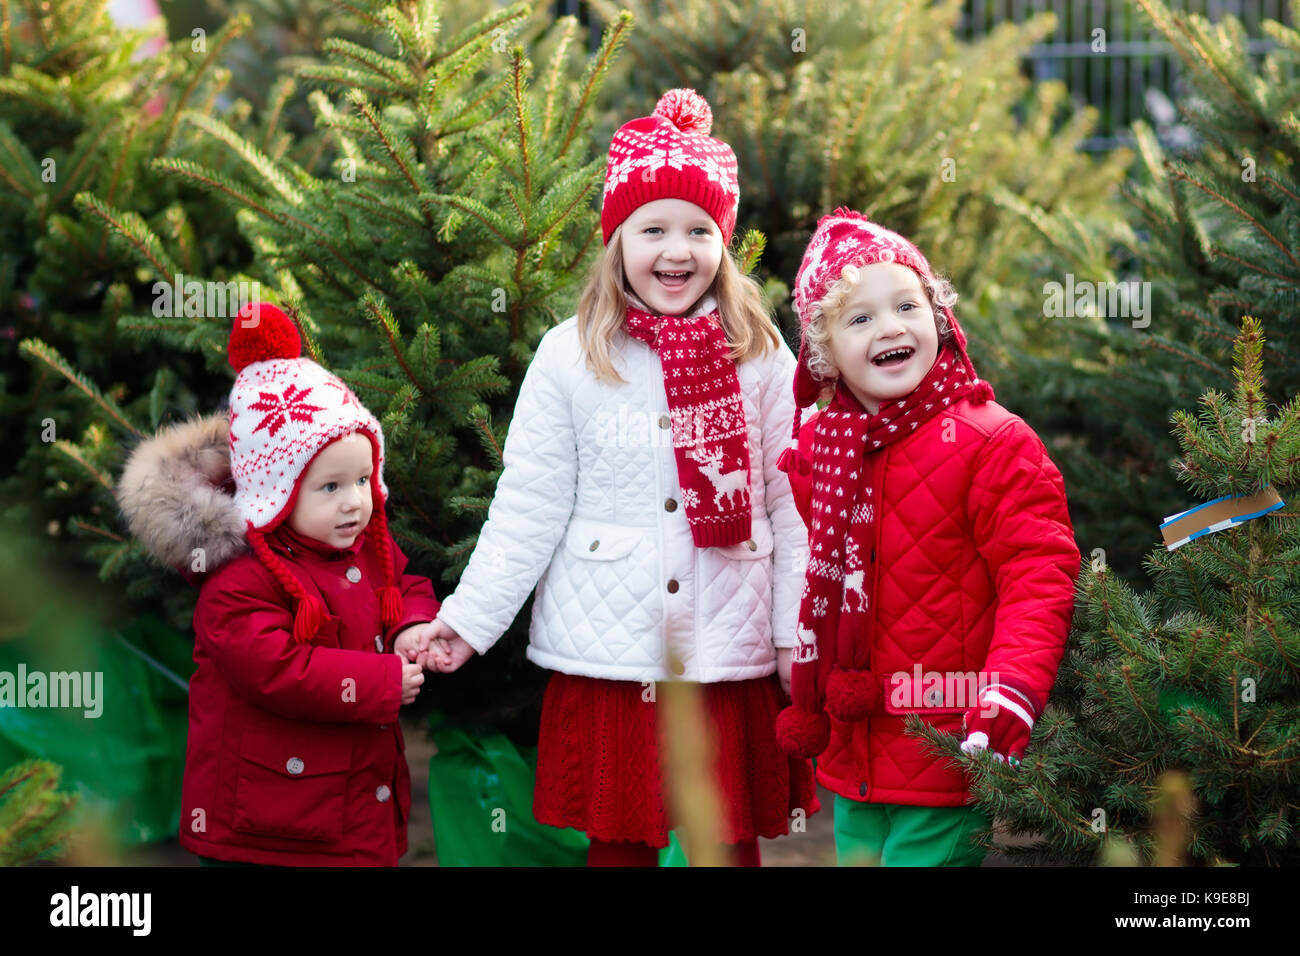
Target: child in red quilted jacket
940	577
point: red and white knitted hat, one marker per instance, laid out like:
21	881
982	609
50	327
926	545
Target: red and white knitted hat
847	238
285	410
669	155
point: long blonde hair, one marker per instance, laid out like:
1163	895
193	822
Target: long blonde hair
602	308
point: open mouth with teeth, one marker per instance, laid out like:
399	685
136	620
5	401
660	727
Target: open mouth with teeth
893	358
345	528
673	280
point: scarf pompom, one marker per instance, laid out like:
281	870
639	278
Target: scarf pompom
851	694
801	733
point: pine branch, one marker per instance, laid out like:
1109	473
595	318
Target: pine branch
233	28
36	349
146	246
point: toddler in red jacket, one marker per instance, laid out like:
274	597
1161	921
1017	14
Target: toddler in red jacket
307	626
942	561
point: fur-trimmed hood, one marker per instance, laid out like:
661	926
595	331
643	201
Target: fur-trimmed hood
177	495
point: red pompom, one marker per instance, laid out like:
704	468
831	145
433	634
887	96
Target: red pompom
802	734
262	331
851	694
981	393
686	110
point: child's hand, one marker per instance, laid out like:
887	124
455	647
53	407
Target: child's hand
407	644
783	667
434	640
1001	723
449	651
412	678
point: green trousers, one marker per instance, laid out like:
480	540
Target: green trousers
890	834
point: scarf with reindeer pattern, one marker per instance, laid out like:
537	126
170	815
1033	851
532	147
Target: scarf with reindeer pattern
833	616
710	437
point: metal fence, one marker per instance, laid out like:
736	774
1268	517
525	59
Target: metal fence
1135	76
1136	73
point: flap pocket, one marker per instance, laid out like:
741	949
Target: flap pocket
600	540
300	756
758	546
929	694
292	786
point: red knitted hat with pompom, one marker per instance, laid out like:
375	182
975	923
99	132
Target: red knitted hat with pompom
669	155
284	409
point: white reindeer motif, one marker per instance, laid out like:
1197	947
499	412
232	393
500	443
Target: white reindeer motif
853	583
725	484
805	648
853	577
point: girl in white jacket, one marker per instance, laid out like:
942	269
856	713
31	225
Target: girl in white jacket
641	496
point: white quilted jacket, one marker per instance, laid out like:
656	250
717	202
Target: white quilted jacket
582	511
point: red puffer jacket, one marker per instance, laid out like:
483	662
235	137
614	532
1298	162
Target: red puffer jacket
972	571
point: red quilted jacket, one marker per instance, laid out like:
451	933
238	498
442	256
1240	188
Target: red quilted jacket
972	570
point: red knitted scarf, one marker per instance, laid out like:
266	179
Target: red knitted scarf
710	438
833	614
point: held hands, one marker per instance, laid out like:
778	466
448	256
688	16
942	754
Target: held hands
445	650
407	647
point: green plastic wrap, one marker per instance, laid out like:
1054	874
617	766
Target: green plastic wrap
481	802
127	760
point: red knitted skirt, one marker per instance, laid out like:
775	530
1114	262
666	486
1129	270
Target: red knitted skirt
598	761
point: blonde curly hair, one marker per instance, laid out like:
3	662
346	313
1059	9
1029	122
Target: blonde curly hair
817	333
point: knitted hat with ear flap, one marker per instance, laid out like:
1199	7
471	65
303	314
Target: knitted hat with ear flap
285	410
848	238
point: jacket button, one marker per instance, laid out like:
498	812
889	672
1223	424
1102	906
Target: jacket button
670	505
594	545
665	422
379	643
862	790
382	793
679	666
751	544
294	765
672	586
353	574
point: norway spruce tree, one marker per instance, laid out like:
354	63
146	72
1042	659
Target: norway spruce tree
1199	675
85	109
1219	228
447	226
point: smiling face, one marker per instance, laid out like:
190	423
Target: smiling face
884	339
334	504
671	252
